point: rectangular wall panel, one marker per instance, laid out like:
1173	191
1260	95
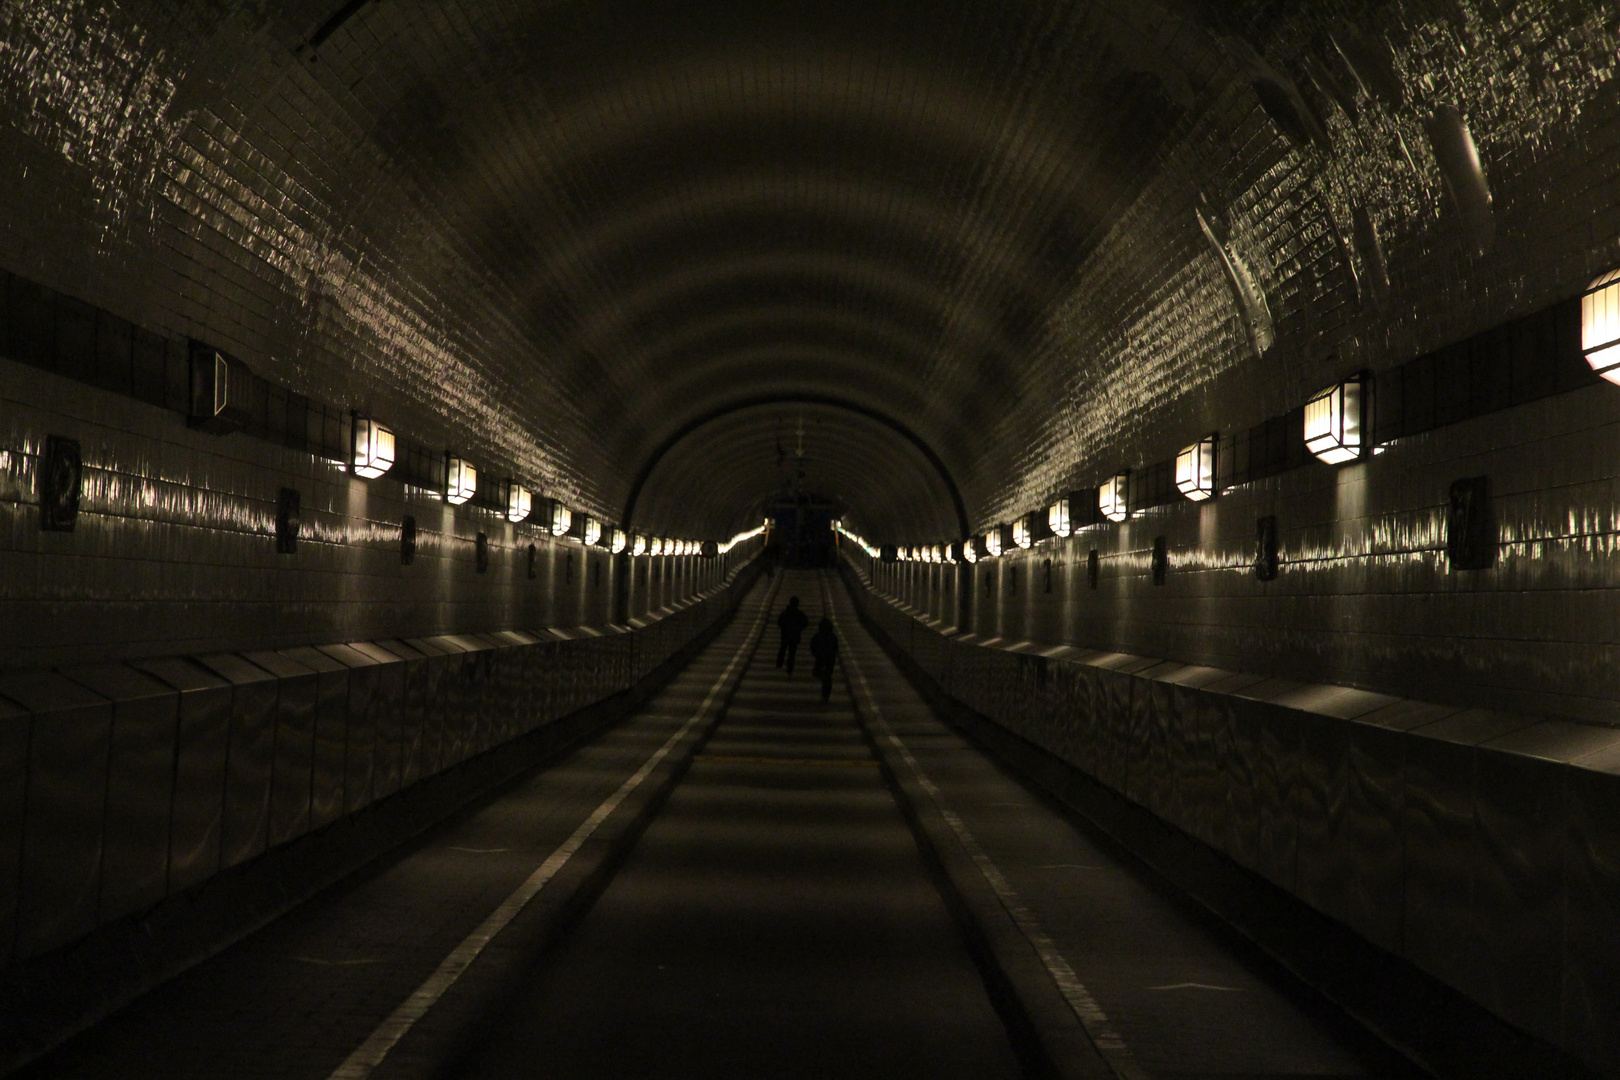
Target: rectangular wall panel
60	885
201	744
245	827
140	786
331	733
292	768
15	725
413	709
360	749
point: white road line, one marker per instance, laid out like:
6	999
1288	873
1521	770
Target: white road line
371	1053
1092	1018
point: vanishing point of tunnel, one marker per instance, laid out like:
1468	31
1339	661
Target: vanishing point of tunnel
824	539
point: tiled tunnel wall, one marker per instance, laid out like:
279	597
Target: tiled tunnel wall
1365	595
1482	846
174	549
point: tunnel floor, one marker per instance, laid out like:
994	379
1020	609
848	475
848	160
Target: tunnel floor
771	912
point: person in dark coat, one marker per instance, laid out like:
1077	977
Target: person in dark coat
791	622
824	647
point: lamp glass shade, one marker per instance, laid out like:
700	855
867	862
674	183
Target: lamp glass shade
639	547
1057	518
1600	325
373	448
1021	535
518	503
1333	423
562	519
1112	498
461	481
1195	470
618	541
992	541
593	532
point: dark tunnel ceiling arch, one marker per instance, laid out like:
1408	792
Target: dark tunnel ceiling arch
900	251
901	499
697	423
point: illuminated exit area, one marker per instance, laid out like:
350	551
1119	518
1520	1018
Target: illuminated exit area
933	538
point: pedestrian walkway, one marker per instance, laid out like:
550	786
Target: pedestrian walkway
775	920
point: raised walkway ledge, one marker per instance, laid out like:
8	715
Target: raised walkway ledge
153	812
1451	849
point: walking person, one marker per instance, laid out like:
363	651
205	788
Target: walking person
824	647
791	622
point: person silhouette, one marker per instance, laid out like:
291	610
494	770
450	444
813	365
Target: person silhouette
791	622
824	647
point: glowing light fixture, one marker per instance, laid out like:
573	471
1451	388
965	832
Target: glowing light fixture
562	518
1021	535
639	547
616	543
1600	325
593	532
518	503
1113	498
1195	470
1333	422
461	480
1058	519
967	551
373	448
992	541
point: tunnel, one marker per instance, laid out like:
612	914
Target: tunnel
938	538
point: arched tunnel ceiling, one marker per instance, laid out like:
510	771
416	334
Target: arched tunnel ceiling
1047	237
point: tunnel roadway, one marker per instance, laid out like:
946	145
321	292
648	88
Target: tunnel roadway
742	881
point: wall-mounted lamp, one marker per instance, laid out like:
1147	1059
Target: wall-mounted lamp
593	532
992	541
1195	470
519	503
638	546
461	480
373	449
1073	512
1333	421
1021	535
1600	325
1113	498
558	519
